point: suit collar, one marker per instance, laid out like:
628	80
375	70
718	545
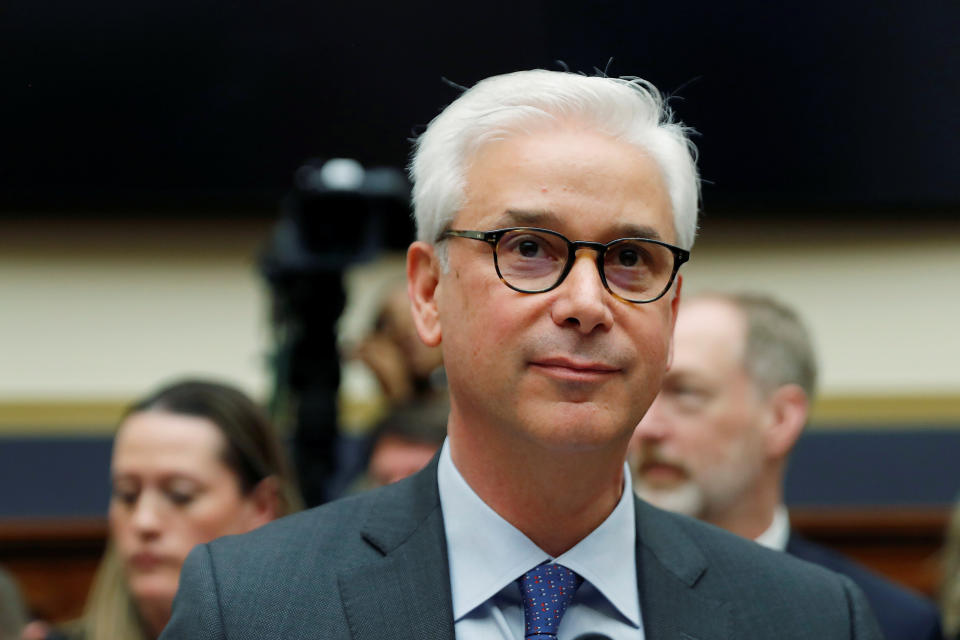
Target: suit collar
407	589
398	510
670	566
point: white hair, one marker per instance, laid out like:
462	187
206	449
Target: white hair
628	109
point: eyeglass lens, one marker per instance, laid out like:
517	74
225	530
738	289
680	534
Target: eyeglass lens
534	261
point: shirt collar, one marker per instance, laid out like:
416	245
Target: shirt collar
487	553
778	533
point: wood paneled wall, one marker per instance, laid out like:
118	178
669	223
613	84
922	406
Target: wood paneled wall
55	559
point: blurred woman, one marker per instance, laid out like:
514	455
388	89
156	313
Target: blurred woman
13	613
194	461
950	580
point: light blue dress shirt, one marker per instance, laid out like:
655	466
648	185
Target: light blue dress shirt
487	554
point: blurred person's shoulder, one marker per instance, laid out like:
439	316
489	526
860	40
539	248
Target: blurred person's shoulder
760	587
903	613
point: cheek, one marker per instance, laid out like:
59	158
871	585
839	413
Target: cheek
698	439
480	336
652	345
205	521
219	520
121	530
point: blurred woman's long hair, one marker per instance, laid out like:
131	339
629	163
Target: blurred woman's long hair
950	584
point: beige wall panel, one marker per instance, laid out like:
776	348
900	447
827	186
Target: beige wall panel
108	310
884	312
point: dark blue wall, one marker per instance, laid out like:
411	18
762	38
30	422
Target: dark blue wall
875	467
54	476
864	467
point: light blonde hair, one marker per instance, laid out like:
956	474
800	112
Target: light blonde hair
110	612
950	584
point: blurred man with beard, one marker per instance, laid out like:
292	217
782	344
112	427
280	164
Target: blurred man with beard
715	442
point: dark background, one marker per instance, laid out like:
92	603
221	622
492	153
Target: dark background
211	105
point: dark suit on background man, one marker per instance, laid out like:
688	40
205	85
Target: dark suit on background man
553	213
901	613
374	566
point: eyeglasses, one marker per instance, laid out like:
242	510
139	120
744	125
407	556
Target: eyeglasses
532	260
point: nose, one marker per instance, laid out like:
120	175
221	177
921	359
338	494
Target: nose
146	515
583	301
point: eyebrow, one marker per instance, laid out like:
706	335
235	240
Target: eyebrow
549	220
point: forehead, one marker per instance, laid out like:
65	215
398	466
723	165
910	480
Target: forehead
709	335
579	182
158	440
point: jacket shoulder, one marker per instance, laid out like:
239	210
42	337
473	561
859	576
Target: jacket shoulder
903	614
764	591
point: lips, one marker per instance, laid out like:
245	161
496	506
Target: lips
575	369
146	560
662	473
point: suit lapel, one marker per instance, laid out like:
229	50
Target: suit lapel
669	567
406	592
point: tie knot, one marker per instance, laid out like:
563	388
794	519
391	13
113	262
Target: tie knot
547	592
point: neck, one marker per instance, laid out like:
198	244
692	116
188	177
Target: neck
556	498
155	617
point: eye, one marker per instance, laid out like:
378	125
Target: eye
125	497
528	248
627	257
527	245
630	254
125	492
689	398
180	499
181	491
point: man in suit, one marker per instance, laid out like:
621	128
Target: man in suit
553	211
715	442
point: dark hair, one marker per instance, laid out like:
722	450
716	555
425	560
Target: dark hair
253	451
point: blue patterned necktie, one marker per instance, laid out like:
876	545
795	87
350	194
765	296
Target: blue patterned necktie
547	592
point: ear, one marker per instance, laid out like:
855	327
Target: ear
674	309
264	502
788	408
423	278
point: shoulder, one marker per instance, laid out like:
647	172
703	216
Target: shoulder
325	538
902	613
718	550
256	585
764	591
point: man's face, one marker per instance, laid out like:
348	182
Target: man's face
699	448
573	368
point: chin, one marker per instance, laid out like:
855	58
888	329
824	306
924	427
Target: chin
154	589
578	427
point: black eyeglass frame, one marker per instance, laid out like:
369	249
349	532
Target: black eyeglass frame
680	256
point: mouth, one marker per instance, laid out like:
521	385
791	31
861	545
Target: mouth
573	370
146	561
662	474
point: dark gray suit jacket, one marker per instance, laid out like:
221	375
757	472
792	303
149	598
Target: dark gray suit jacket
374	566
